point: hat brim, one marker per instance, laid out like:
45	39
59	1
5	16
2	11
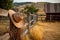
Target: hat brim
19	24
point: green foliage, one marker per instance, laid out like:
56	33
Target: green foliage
6	4
31	9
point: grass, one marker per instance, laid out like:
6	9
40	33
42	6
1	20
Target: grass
43	31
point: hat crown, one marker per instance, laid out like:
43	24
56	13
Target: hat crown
16	18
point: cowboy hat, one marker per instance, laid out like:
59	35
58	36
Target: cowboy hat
16	19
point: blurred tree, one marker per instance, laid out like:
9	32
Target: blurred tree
6	4
30	9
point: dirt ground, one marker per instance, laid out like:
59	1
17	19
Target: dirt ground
41	31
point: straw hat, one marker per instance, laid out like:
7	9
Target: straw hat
17	20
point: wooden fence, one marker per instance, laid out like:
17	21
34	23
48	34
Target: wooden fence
53	17
4	24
